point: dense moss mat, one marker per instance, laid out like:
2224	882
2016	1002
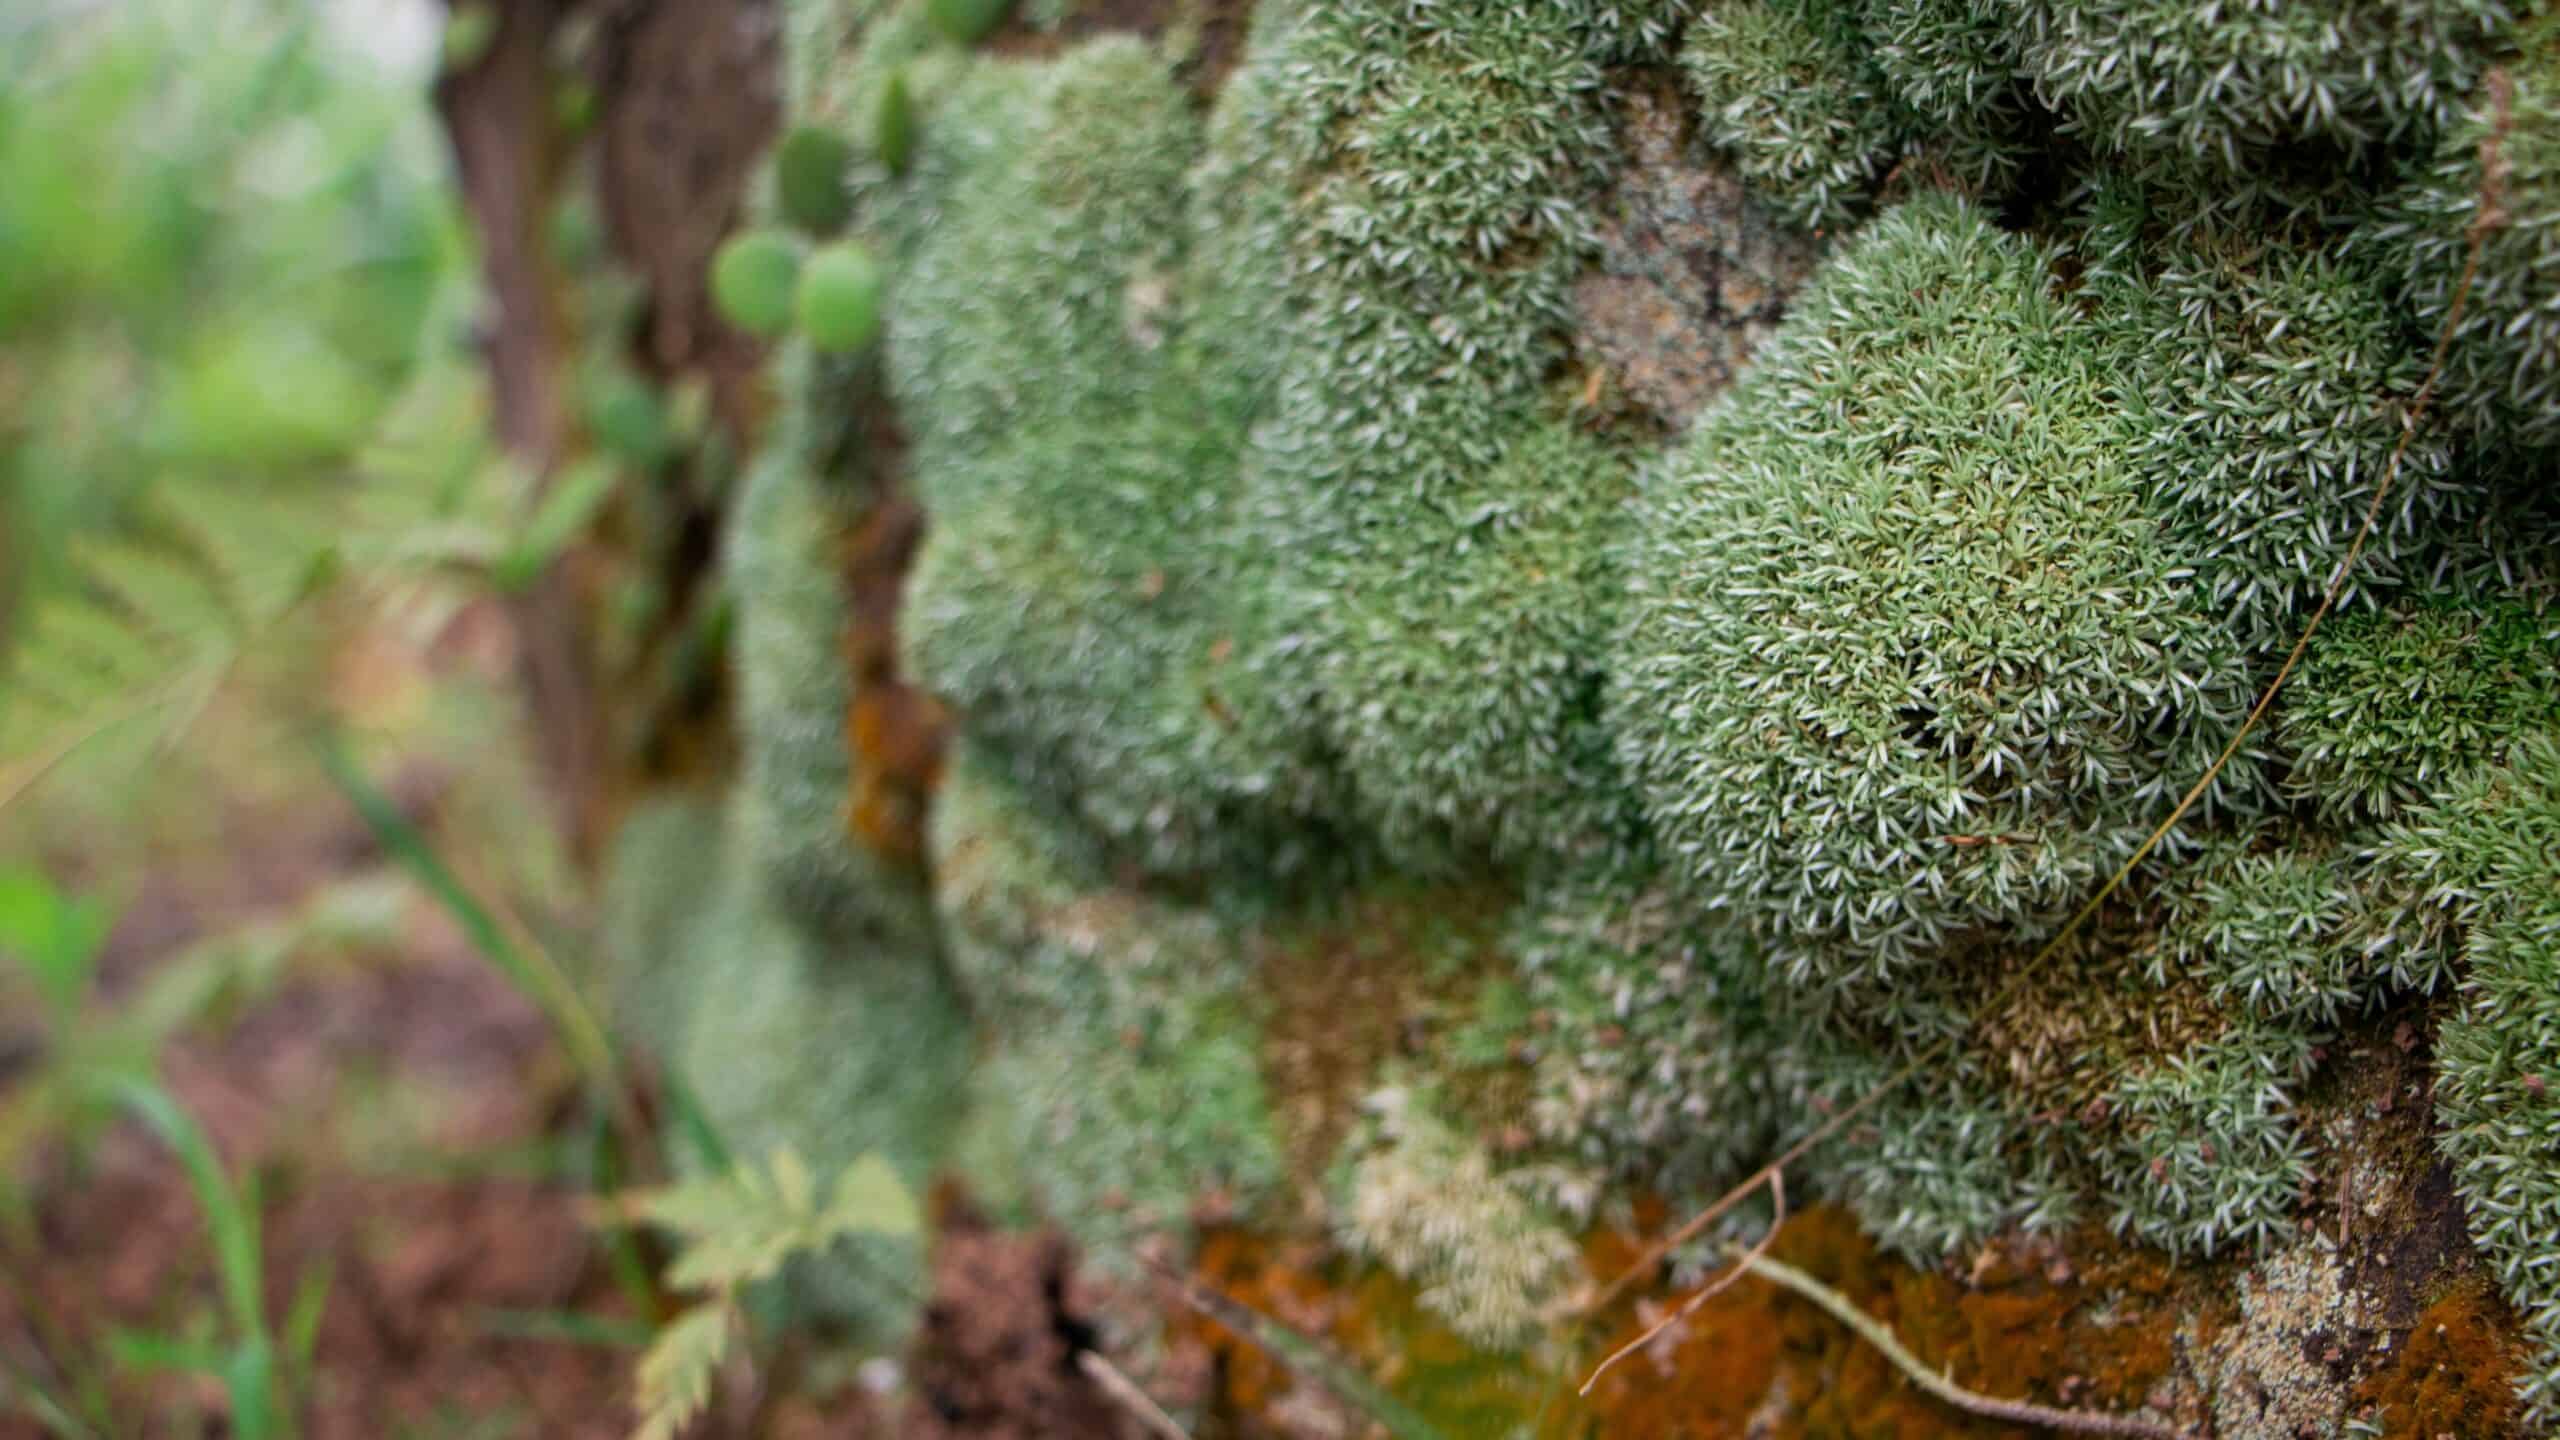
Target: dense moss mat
1315	640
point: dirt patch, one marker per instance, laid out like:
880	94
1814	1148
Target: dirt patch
1347	990
426	1262
997	1358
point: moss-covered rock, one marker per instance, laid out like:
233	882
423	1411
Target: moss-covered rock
1357	708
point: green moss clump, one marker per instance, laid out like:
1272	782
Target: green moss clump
787	543
656	886
2220	87
1661	1054
1792	89
1441	156
2388	708
1035	243
1427	1202
1457	654
782	1039
790	1042
1090	593
2491	850
1077	615
1438	541
2268	931
1901	586
1261	552
1937	1166
2260	379
1954	74
1125	1050
2502	375
2208	1156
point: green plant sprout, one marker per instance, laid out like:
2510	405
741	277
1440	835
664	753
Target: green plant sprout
733	1230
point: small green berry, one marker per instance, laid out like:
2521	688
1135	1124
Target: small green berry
897	131
840	298
966	21
809	178
752	279
468	33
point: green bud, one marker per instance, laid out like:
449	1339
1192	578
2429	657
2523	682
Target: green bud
751	281
468	33
840	298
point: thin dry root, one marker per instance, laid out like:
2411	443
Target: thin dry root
1121	1388
1876	1333
1713	1288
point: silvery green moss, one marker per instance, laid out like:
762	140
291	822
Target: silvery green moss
1278	550
1128	1063
1906	657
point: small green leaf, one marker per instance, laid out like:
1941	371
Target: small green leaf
675	1374
791	1182
55	936
870	1198
966	21
812	179
897	123
249	1379
234	1229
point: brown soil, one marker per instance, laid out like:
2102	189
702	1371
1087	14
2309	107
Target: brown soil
394	1110
998	1355
419	1263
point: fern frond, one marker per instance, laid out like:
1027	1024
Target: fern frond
677	1369
735	1229
206	566
743	1226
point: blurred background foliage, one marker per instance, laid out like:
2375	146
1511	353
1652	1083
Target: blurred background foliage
233	281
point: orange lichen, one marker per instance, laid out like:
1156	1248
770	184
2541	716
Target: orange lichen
1756	1360
1753	1360
1373	1320
2453	1375
894	732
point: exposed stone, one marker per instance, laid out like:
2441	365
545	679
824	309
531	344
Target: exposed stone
1694	275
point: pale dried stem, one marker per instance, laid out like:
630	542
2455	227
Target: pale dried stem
1713	1288
1881	1336
1121	1388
